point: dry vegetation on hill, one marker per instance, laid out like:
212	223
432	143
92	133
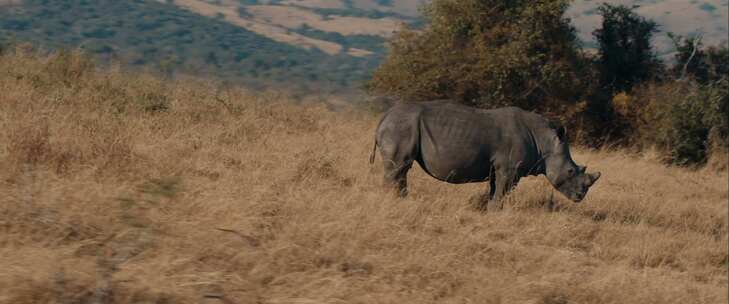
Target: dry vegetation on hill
122	188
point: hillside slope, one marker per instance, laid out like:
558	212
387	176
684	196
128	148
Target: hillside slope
122	188
163	36
380	18
684	17
314	45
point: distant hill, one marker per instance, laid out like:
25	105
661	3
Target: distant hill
685	17
271	18
167	36
313	44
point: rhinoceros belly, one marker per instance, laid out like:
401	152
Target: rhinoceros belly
455	148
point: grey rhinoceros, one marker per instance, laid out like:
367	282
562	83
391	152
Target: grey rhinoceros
459	144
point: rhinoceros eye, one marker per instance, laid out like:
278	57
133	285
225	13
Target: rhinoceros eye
571	171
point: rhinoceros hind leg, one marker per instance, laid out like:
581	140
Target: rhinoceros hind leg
396	177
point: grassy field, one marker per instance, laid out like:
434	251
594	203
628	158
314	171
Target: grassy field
122	188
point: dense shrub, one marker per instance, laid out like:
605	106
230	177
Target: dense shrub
486	53
697	62
690	120
626	55
684	120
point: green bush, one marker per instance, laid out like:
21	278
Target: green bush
686	120
626	55
703	64
486	53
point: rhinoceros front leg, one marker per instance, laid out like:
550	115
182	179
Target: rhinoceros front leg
504	180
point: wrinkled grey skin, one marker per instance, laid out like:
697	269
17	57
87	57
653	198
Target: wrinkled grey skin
459	144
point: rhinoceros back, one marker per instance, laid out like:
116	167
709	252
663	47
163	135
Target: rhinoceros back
456	143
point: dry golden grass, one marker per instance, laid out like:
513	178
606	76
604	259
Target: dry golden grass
126	189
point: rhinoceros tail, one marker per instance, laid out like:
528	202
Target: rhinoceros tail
374	149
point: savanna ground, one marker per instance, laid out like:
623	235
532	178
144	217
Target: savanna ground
120	188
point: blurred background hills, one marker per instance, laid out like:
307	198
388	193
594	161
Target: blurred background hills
308	45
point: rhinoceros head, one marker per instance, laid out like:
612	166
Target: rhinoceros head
567	177
575	184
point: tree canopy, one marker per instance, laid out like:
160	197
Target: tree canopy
702	64
486	53
626	55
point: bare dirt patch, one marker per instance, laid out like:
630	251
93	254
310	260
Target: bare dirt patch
315	3
230	14
10	2
277	21
292	17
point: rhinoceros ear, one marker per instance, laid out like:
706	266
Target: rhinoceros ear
562	133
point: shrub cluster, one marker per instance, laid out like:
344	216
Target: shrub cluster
485	53
490	53
685	120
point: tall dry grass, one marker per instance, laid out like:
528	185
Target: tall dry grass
122	188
